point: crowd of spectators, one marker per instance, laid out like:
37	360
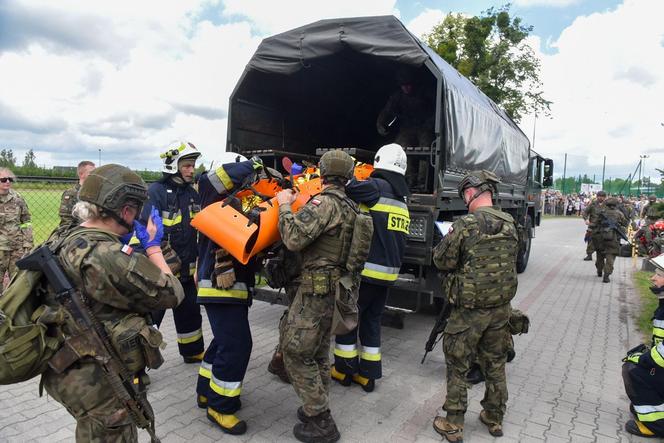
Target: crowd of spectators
555	203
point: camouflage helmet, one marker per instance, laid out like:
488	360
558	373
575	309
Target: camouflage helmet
483	180
611	201
111	186
337	163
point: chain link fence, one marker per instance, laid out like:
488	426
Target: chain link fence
43	195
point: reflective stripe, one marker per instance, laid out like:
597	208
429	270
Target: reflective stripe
192	268
345	351
380	272
648	413
220	180
658	332
658	323
25	225
173	220
238	290
370	353
226	388
656	354
190	337
391	205
205	370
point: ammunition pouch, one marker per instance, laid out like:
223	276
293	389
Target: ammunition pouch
518	323
316	283
136	343
346	312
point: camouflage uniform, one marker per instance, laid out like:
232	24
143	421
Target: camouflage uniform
590	214
605	239
480	283
116	282
15	231
317	231
67	201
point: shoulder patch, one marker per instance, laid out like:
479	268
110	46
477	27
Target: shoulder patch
127	249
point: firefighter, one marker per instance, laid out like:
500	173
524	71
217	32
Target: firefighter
384	194
225	287
643	370
178	202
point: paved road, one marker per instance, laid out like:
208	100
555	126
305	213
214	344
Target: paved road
564	385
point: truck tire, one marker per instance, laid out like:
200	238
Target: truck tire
524	247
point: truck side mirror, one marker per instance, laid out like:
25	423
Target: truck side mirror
547	180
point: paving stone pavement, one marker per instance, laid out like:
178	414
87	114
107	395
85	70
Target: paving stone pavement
564	385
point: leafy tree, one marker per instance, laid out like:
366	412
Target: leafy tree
491	50
29	160
7	158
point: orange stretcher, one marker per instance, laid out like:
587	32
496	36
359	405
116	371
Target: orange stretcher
232	230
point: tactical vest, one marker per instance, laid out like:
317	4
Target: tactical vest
488	278
334	244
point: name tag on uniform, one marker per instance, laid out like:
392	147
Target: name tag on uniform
397	222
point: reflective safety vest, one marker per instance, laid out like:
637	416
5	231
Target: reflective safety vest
391	221
488	277
177	205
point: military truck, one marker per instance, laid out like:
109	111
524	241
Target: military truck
322	86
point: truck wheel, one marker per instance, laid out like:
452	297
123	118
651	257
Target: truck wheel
524	247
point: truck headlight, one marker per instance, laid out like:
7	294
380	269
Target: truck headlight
418	228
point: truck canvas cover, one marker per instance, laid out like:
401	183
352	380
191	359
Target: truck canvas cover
325	83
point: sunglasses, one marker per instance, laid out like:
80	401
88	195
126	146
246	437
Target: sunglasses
6	179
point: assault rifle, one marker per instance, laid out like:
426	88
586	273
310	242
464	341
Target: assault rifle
609	223
91	340
438	328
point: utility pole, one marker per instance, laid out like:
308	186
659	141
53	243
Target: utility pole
99	157
534	126
603	171
564	173
641	162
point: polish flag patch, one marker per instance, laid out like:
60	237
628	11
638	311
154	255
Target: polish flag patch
315	201
127	249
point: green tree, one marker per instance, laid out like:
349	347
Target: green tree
491	51
7	158
29	160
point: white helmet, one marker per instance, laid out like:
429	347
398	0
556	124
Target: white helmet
178	151
391	158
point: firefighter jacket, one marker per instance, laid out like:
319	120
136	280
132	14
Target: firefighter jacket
391	221
215	186
177	204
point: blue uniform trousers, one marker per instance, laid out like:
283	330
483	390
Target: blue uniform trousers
645	389
188	322
367	363
226	359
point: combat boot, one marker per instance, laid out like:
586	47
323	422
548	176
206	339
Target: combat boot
599	272
193	358
606	278
495	429
318	429
304	418
277	367
342	379
368	384
228	423
588	257
451	432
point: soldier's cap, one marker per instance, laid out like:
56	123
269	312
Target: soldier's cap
601	194
658	263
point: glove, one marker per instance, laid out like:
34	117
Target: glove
633	358
224	274
296	169
142	231
256	163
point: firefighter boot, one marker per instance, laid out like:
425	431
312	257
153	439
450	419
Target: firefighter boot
318	429
202	401
342	379
451	432
228	423
368	384
635	427
606	278
277	367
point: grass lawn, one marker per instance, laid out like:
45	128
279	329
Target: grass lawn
43	201
648	303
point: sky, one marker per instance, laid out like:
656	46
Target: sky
124	79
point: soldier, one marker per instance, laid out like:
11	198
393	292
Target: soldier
590	215
647	212
177	202
643	370
70	196
16	227
321	230
225	287
118	284
384	193
605	238
479	255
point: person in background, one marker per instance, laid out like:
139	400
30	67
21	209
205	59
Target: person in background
15	225
70	196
